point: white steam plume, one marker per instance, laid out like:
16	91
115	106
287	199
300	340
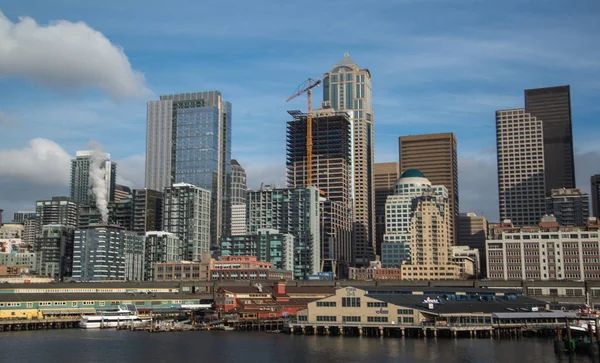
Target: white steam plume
98	182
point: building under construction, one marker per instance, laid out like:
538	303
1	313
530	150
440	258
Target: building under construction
331	174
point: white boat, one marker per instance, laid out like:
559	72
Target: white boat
110	319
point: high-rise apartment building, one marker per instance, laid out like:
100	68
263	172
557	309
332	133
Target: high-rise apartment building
595	189
58	210
397	245
147	210
292	211
386	175
21	216
347	87
520	152
331	175
107	253
266	245
188	140
552	106
160	247
187	214
122	192
29	231
435	155
238	219
570	207
54	251
472	232
92	175
238	183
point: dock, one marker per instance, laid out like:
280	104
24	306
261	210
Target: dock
39	324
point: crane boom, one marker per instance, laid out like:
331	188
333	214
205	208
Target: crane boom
309	141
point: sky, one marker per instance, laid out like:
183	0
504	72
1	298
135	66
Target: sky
74	71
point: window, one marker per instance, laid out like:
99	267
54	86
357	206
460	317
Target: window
405	311
377	319
408	320
326	304
376	304
351	302
350	319
302	318
326	318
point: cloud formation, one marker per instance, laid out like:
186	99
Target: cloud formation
67	55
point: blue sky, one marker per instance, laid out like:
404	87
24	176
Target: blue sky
437	66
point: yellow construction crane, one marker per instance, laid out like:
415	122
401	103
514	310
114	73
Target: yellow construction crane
307	87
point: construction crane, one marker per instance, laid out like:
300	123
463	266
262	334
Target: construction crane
307	87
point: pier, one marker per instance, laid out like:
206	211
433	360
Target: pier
39	324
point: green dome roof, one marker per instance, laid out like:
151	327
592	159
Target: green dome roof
412	173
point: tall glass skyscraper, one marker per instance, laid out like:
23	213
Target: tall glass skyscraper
188	140
347	87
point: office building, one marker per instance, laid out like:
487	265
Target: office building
187	214
292	211
266	245
552	107
13	259
467	260
238	219
570	207
472	232
54	251
160	247
58	210
122	192
188	140
347	87
546	251
93	175
331	175
595	188
147	210
22	216
399	210
386	175
238	183
107	253
435	155
520	149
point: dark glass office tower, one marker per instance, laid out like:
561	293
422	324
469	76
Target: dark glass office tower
552	106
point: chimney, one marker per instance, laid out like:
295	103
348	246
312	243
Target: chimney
280	287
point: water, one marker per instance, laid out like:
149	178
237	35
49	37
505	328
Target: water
89	346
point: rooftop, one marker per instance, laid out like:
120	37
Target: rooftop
412	173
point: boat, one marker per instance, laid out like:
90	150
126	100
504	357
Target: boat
111	318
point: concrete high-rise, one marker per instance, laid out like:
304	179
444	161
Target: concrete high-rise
160	247
83	175
238	183
472	231
292	211
188	140
332	175
552	106
570	207
435	155
186	213
58	210
21	216
147	210
347	87
520	152
386	175
54	251
595	188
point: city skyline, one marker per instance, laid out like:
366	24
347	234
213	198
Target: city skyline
412	94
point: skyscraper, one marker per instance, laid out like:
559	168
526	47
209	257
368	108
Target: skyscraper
188	140
348	87
386	175
332	174
595	188
435	155
293	211
520	150
238	183
93	176
186	213
552	106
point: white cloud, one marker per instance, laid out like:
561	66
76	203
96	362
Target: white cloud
43	161
131	171
67	55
